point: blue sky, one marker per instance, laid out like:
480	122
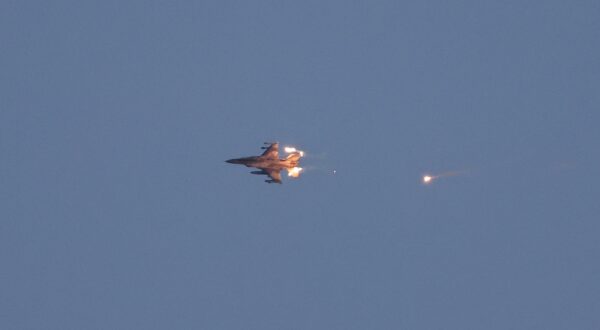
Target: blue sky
118	212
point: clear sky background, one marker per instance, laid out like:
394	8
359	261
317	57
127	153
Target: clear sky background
118	212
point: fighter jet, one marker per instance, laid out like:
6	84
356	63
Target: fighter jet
269	163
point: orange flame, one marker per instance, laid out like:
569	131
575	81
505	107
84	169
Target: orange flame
289	150
294	172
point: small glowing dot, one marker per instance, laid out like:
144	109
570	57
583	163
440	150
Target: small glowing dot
427	179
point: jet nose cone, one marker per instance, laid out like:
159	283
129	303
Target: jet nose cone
231	161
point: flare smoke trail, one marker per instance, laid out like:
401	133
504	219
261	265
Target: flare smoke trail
429	178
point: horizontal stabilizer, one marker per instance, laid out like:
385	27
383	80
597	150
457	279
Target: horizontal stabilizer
294	156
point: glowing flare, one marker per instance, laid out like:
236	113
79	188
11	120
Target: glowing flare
289	150
427	179
294	172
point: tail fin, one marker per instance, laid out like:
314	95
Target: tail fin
294	156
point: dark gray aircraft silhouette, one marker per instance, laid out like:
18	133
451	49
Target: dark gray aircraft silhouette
269	163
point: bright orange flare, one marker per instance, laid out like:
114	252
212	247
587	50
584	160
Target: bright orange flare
427	179
289	150
294	172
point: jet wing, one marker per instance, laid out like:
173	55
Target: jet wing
274	175
272	151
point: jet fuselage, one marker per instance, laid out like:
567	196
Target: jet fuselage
261	162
